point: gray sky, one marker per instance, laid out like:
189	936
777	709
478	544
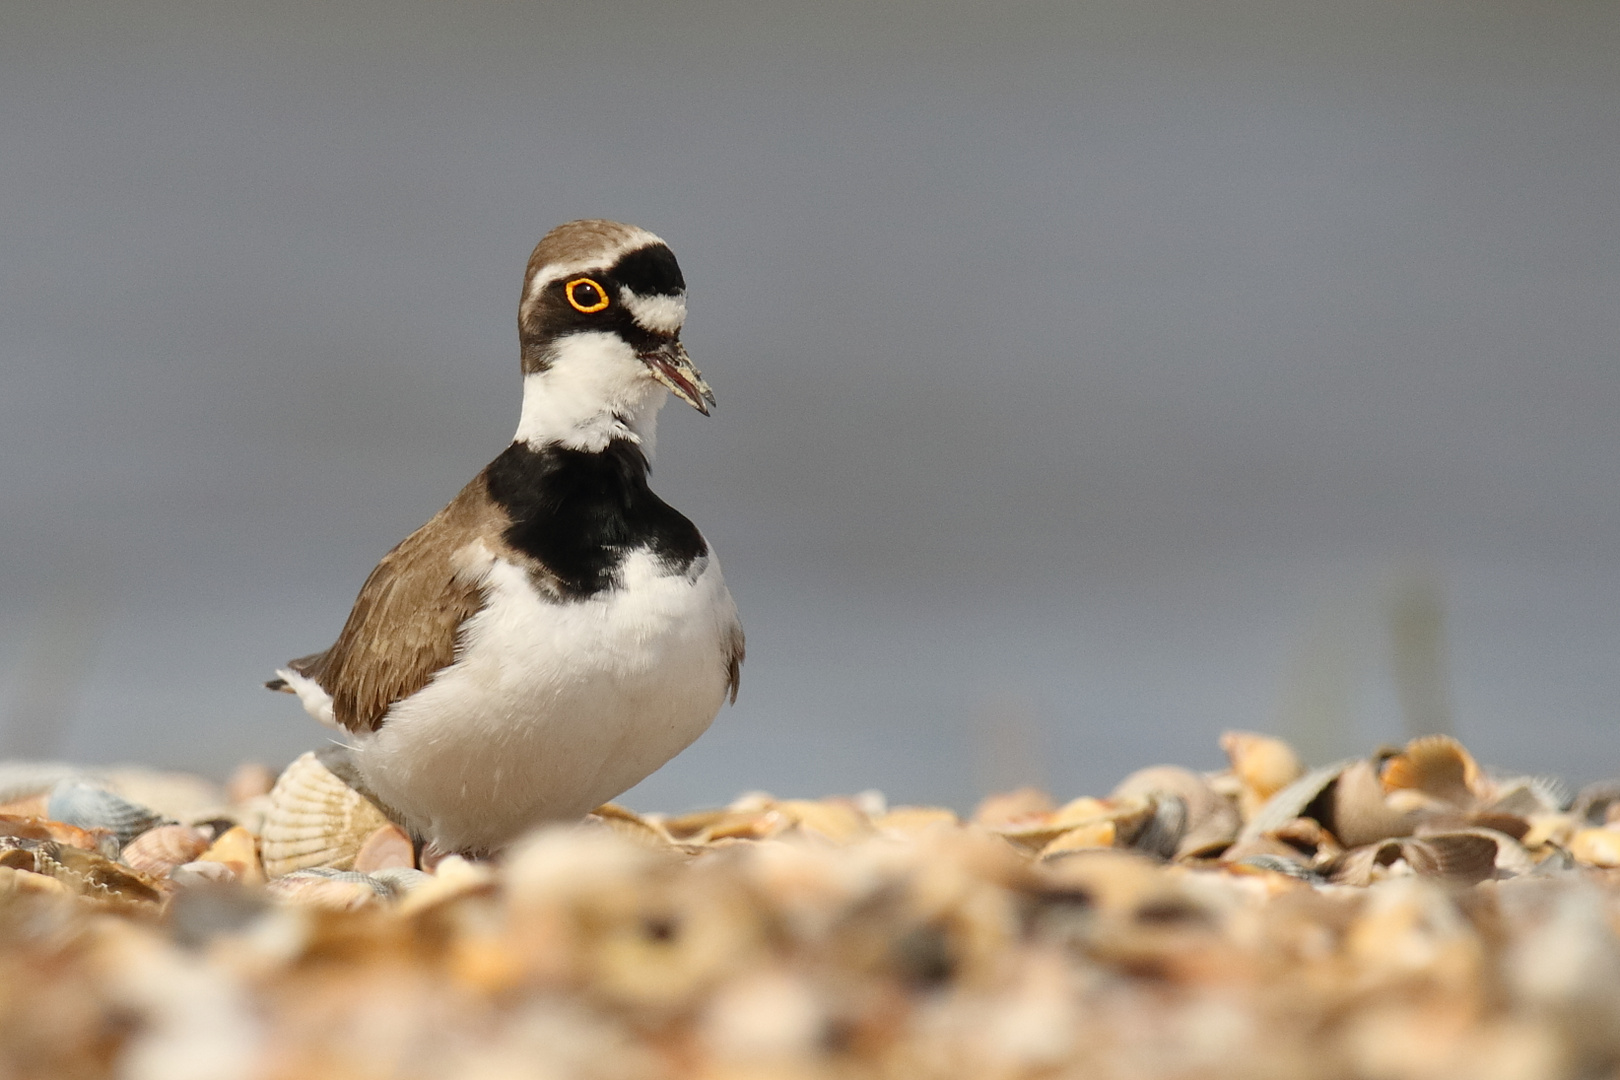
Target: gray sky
1091	374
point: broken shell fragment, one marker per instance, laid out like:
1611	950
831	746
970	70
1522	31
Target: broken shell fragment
315	820
237	850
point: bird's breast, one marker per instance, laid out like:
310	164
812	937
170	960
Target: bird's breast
555	706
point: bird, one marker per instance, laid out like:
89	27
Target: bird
557	632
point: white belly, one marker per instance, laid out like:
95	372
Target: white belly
552	709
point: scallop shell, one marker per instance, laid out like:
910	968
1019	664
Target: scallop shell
158	851
1462	857
90	806
315	820
340	890
1437	766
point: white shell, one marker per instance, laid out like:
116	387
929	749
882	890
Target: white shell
315	820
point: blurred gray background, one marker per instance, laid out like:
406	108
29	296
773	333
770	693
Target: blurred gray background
1093	376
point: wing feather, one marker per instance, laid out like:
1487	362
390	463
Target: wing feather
406	621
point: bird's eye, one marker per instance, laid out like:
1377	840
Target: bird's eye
586	295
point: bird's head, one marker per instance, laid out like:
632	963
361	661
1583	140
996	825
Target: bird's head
602	309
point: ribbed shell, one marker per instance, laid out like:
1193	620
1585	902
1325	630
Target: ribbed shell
158	851
315	820
89	806
339	890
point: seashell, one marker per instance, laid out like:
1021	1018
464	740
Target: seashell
315	820
909	821
1512	860
1012	807
1097	834
203	872
454	877
1592	802
249	781
1297	800
1358	813
1162	831
1437	766
15	882
171	795
338	890
1264	765
838	820
85	873
31	807
1302	840
1281	864
1555	829
236	849
1124	819
1462	857
401	879
1527	796
628	824
1212	821
101	841
389	847
78	802
1596	847
158	851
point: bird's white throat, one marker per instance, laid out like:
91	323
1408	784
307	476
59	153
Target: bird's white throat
594	390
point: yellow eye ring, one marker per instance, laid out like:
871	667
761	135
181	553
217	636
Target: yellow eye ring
586	285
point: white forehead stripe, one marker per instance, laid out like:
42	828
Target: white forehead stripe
660	313
550	272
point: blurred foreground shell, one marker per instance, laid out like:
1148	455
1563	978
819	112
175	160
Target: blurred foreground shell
315	820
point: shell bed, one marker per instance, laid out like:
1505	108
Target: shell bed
1405	915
